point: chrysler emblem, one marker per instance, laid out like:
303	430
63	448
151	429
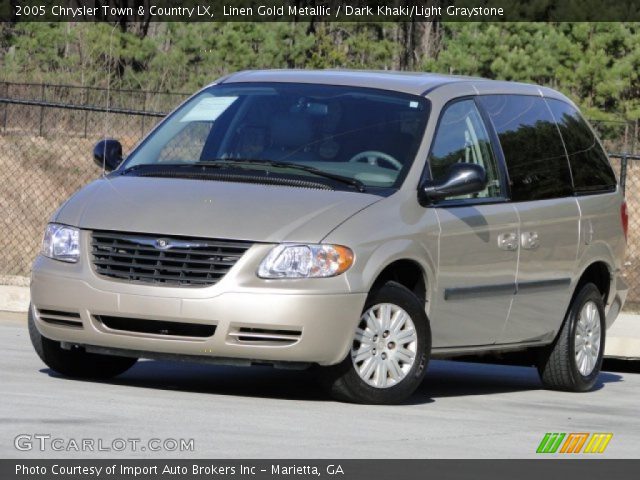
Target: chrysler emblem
162	244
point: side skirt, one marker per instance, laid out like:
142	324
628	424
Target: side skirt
451	352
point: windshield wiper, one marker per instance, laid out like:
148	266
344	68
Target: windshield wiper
240	162
294	166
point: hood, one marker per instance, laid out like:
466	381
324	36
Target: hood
211	209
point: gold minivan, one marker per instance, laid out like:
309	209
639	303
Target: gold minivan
361	221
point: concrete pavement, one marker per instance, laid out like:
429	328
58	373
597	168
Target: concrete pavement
461	410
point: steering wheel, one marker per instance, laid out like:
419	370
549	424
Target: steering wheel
372	157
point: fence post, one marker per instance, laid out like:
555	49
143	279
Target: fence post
6	107
42	111
86	121
144	109
623	173
625	147
86	112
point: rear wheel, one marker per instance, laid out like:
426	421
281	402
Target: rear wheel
76	362
390	350
574	361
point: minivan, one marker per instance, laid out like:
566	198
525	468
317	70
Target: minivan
359	222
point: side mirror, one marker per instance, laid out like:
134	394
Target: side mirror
461	179
108	152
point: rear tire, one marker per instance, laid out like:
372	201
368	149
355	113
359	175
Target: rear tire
574	360
76	362
390	350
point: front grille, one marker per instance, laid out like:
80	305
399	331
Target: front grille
157	327
171	261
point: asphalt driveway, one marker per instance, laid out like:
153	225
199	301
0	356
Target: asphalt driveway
461	410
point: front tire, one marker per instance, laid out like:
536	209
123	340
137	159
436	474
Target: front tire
574	361
76	362
390	350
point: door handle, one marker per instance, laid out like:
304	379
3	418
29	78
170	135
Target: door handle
508	241
530	240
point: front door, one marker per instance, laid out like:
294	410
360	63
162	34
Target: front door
476	274
478	244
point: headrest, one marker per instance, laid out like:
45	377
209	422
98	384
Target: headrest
291	130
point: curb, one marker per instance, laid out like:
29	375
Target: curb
623	338
622	348
14	298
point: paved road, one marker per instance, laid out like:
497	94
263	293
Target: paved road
462	410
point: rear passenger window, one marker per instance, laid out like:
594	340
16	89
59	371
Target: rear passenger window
532	146
589	163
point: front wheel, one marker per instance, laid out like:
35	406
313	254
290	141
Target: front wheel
390	350
76	362
573	363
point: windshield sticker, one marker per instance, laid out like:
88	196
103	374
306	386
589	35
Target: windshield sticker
208	109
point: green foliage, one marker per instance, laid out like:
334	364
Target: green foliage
596	64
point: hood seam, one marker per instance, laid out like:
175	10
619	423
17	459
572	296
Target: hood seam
348	218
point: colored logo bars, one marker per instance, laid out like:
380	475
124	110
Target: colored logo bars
573	442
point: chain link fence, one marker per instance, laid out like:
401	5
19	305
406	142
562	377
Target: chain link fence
143	100
629	168
623	136
45	156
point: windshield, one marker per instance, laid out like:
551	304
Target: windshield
357	136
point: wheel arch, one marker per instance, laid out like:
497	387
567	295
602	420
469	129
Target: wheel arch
600	273
404	262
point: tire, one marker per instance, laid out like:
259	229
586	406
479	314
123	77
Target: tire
344	381
560	368
76	362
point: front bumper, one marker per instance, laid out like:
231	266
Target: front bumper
325	322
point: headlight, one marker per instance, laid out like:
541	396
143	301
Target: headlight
61	243
306	261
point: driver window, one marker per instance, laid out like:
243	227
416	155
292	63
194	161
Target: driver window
462	138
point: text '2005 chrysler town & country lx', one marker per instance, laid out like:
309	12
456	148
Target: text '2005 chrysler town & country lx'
361	221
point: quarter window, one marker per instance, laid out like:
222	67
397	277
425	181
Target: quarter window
532	146
589	163
462	138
